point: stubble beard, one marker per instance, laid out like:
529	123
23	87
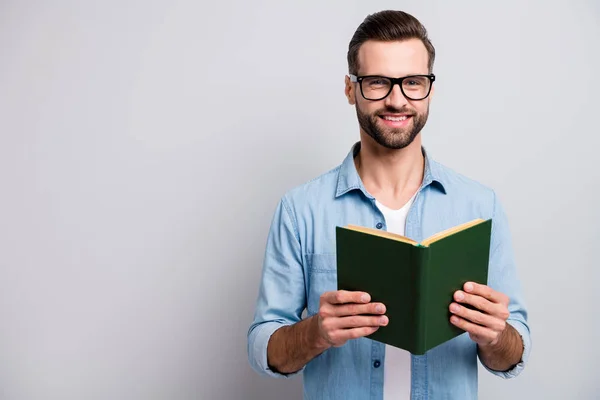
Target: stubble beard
392	138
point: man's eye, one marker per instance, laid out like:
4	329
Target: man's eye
377	82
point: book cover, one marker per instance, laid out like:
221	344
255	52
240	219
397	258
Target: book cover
415	281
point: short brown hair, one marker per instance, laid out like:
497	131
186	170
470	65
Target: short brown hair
388	26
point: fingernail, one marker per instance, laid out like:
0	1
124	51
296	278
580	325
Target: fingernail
460	295
383	320
379	308
365	298
454	308
469	287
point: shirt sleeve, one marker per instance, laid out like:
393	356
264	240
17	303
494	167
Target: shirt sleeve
281	296
503	277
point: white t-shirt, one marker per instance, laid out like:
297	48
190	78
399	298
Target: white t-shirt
396	373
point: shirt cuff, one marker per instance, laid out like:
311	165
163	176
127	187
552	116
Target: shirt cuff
262	334
526	338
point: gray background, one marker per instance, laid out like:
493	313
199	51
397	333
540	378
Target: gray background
144	146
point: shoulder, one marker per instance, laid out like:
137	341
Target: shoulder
309	203
317	190
466	190
461	182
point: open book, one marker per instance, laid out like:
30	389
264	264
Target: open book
415	280
424	243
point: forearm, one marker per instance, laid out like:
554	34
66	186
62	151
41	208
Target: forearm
505	354
292	347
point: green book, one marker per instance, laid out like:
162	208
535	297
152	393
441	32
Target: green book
415	281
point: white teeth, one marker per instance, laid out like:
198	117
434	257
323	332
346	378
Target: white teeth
395	119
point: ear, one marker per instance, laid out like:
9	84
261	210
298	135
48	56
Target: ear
349	91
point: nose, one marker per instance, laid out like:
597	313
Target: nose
396	99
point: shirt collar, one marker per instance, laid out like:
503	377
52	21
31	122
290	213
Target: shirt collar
348	178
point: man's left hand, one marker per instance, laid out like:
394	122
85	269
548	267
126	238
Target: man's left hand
487	322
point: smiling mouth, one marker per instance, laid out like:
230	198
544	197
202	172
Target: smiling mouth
398	118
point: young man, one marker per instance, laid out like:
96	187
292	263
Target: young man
387	181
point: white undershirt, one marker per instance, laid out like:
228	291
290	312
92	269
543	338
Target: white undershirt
396	375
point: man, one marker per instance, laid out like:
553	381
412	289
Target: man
387	181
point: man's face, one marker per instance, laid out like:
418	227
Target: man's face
394	121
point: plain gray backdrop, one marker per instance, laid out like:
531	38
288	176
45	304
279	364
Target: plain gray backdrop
144	146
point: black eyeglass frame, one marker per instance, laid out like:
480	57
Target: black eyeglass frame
359	79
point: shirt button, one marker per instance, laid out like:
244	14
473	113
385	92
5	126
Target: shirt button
379	225
377	363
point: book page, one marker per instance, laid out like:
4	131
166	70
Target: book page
385	234
451	231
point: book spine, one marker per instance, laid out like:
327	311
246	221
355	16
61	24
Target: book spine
421	259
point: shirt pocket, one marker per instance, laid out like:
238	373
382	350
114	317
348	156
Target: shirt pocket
322	277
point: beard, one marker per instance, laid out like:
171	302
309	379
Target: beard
392	138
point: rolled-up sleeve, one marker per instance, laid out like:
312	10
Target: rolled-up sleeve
281	296
503	277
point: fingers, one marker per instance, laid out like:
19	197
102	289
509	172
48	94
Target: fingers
345	315
488	320
478	333
478	302
358	321
479	318
344	296
486	292
358	309
337	330
474	329
340	311
340	337
343	303
482	304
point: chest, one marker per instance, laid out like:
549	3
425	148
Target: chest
425	215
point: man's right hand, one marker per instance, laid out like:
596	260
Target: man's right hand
345	315
342	315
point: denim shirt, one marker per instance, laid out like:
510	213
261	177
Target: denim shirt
300	265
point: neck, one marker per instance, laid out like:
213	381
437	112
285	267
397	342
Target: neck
391	176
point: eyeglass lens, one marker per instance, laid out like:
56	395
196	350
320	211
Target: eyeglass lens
415	87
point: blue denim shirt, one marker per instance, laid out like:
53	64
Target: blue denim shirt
300	264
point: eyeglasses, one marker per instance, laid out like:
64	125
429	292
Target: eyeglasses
413	87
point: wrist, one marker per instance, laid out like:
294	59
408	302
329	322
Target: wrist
318	342
501	341
497	343
505	353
